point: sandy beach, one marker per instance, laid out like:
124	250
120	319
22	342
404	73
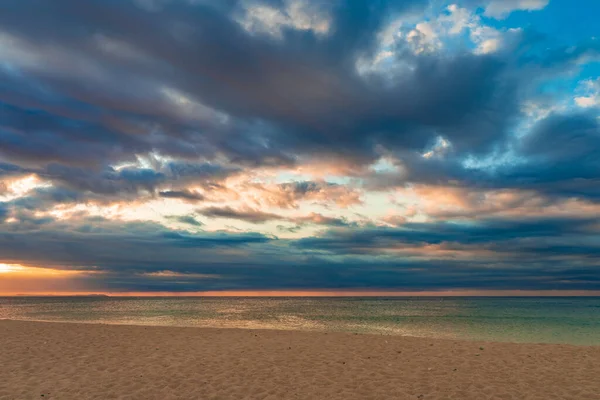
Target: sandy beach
84	361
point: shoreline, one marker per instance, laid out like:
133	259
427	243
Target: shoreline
64	360
304	331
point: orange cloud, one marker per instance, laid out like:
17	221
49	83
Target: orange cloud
15	187
443	202
172	274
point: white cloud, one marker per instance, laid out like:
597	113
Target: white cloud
390	33
586	102
439	30
590	94
459	19
502	8
424	38
439	149
489	46
487	39
296	14
381	56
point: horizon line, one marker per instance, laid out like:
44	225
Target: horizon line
323	293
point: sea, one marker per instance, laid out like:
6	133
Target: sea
570	320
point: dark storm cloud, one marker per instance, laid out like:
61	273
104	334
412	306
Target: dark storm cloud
303	92
95	243
248	215
116	72
302	188
187	195
258	217
290	194
22	212
44	198
560	138
3	211
109	181
323	220
480	233
563	156
560	157
121	254
189	171
72	184
7	169
185	219
37	137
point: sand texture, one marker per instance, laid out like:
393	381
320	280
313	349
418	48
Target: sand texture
78	361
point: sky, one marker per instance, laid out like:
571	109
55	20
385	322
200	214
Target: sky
237	146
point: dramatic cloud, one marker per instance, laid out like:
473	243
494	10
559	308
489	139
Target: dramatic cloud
182	194
491	254
186	145
186	219
247	214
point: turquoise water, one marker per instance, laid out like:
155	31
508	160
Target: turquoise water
541	320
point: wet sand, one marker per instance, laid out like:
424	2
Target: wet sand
41	360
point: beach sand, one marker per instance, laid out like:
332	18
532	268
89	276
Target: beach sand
78	361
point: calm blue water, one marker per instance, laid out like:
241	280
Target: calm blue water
549	320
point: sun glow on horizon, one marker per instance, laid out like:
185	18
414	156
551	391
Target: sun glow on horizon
17	279
8	268
22	270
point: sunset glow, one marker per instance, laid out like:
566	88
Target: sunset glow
8	268
15	269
